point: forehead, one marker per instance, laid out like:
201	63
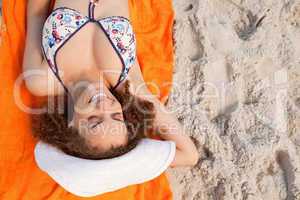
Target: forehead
107	127
108	135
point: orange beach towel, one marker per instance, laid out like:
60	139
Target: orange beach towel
20	178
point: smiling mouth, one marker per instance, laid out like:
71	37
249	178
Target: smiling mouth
97	97
100	96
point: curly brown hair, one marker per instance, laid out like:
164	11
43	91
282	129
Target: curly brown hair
52	127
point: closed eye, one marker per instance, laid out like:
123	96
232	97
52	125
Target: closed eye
94	121
117	117
94	125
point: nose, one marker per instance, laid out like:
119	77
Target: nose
107	105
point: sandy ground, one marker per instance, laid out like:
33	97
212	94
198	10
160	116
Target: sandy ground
237	91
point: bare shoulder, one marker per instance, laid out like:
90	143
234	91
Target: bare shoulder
38	7
116	7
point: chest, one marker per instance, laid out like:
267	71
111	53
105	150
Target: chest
74	41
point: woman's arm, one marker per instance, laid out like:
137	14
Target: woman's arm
169	128
39	79
166	124
36	14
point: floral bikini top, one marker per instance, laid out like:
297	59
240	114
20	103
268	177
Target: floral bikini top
63	23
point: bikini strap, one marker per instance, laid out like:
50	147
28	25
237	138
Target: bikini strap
118	83
92	5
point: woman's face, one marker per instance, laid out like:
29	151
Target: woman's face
98	117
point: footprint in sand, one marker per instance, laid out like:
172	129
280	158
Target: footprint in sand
248	26
185	7
290	174
192	43
220	94
192	46
265	67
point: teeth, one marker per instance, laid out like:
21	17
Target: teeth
97	96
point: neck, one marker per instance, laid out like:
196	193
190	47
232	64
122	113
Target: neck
78	84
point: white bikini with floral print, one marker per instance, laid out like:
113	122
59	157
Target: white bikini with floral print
65	22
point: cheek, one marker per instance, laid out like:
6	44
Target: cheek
81	125
118	130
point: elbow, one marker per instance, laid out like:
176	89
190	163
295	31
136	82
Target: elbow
36	81
185	159
33	87
193	158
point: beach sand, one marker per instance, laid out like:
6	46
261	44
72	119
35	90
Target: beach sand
237	92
